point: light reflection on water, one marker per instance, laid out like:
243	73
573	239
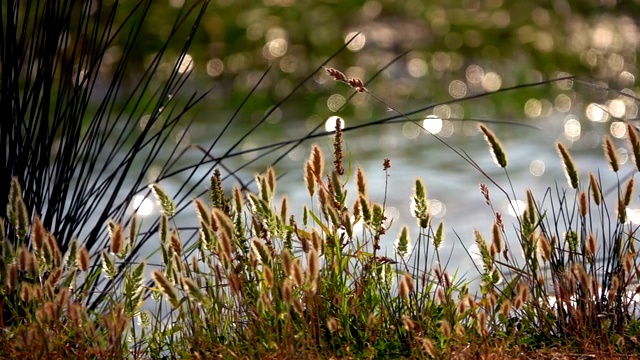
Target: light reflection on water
452	184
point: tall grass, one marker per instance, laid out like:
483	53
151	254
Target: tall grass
260	282
255	280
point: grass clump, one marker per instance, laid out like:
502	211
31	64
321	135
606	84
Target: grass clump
260	283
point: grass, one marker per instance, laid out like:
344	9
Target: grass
262	283
257	281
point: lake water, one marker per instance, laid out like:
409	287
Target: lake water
452	184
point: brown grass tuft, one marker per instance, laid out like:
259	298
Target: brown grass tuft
37	234
635	144
83	259
116	234
313	262
628	192
611	154
583	204
166	287
596	194
569	166
497	150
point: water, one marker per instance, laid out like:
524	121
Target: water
452	184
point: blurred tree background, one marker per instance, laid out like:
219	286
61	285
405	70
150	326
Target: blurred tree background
457	48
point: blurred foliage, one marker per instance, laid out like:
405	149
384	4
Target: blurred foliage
457	48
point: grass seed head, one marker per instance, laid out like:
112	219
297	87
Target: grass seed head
317	161
482	323
505	308
497	150
403	288
165	287
361	183
310	178
116	234
23	258
193	290
628	192
298	275
336	74
285	256
596	194
583	204
167	205
545	247
429	348
267	274
440	295
611	154
497	238
284	209
628	261
590	247
622	211
401	244
445	328
635	144
37	234
203	213
569	166
83	259
26	293
313	262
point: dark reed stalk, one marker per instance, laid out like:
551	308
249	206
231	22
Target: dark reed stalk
71	133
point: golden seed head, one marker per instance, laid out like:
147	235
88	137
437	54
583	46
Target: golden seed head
298	276
445	327
497	238
497	150
505	308
583	204
569	166
440	295
23	258
285	256
545	247
596	194
590	246
429	347
38	233
166	287
83	259
482	323
116	234
635	144
611	154
313	262
628	193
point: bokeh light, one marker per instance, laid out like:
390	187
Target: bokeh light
572	128
358	42
330	124
432	124
537	167
516	208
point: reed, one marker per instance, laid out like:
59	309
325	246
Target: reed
255	280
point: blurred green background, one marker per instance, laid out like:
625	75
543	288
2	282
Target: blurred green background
457	48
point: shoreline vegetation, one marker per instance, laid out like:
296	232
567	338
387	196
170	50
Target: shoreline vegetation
255	281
